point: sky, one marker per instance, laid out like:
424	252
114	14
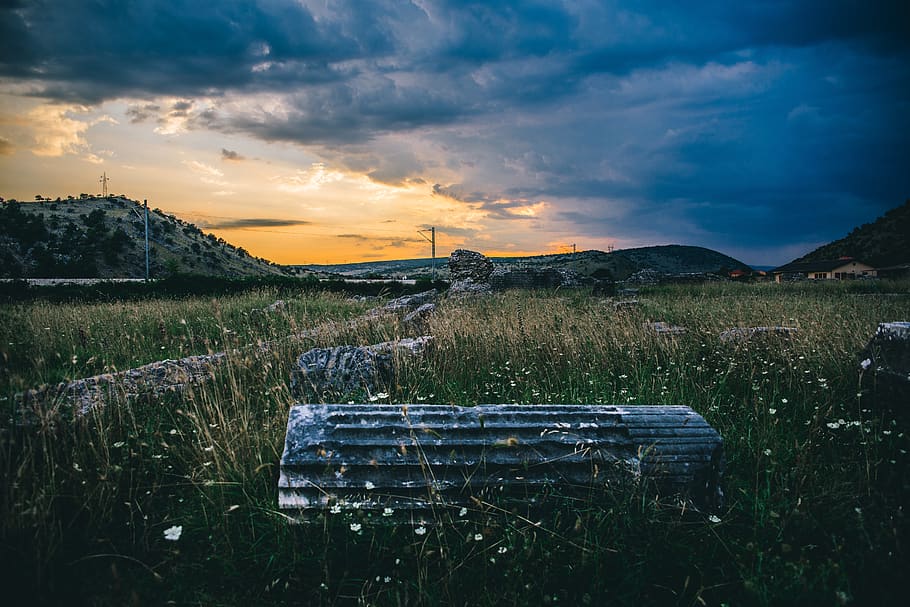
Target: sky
322	131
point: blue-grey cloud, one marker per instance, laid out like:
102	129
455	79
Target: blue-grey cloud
716	123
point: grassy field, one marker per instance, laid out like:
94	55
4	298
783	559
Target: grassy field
173	500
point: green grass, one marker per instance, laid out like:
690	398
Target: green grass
816	483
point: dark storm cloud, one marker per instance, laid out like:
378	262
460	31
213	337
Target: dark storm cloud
380	241
231	155
142	113
253	222
721	122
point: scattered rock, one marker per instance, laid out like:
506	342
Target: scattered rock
343	370
463	288
419	318
275	307
604	288
625	304
650	277
645	277
663	328
405	304
744	334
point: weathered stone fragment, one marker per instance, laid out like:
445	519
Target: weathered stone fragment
419	318
885	362
625	305
666	329
604	288
343	370
744	334
418	458
158	378
405	304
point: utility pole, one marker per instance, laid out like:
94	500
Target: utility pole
146	236
104	179
146	240
432	240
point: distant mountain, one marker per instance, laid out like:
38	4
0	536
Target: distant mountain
94	237
884	242
618	265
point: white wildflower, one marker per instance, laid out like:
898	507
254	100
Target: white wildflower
421	530
355	527
370	486
387	512
173	533
335	509
714	518
478	537
463	512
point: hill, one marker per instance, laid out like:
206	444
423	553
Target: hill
884	242
618	265
95	237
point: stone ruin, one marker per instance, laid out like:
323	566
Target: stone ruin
474	273
650	277
470	272
885	366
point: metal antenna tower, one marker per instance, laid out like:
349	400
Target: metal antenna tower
103	181
432	240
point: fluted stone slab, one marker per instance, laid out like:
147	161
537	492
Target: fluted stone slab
415	458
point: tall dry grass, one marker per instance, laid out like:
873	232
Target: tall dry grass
816	481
